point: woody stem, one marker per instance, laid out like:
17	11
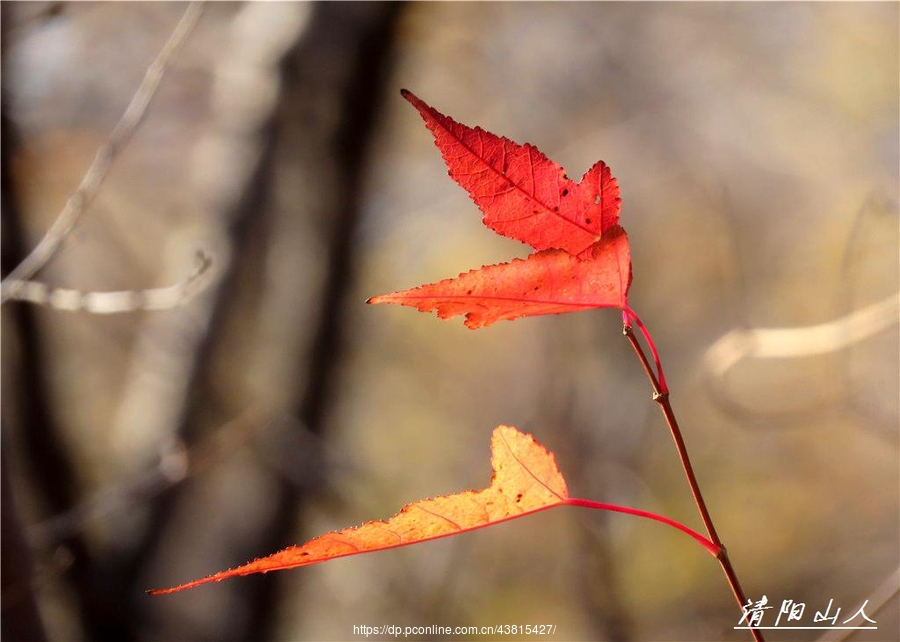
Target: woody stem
661	396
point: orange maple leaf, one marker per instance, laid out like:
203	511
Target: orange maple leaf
525	480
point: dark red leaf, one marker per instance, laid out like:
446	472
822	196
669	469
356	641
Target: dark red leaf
523	194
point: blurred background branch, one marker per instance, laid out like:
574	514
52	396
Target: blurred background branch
87	189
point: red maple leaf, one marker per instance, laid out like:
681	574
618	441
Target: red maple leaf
523	194
547	282
525	480
582	261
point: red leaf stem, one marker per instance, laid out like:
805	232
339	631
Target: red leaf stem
630	315
713	548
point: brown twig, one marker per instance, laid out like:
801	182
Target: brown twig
90	184
662	398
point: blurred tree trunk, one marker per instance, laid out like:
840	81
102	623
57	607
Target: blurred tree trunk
357	39
314	146
21	620
28	421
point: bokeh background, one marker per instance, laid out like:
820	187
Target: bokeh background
756	145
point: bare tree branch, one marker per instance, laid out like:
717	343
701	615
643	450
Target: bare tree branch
165	298
90	184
